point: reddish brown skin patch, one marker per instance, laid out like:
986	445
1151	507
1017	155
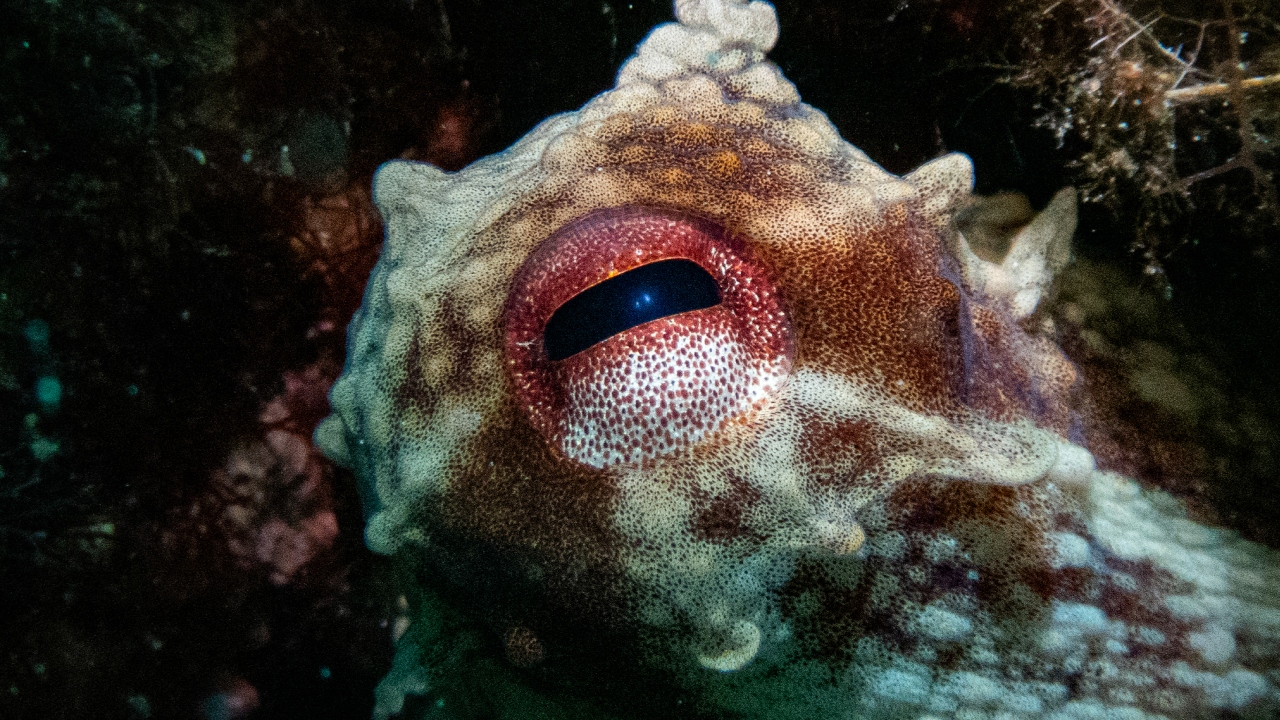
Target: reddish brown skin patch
530	540
1004	550
822	439
721	519
885	304
523	647
1071	584
874	302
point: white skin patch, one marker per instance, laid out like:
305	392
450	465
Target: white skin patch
655	391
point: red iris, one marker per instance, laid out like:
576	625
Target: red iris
661	385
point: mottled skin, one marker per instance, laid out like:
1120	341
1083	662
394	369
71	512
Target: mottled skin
895	520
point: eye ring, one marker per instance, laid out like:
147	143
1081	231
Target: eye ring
650	385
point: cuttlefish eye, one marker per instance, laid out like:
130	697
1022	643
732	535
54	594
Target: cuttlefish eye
649	292
637	332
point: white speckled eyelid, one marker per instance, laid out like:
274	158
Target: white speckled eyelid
872	507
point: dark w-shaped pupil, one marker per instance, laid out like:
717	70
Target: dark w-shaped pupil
624	301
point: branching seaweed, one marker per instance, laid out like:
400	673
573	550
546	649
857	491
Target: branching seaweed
1166	102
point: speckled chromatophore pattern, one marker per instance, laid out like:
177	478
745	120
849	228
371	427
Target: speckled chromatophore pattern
854	488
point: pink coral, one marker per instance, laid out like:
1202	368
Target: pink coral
271	501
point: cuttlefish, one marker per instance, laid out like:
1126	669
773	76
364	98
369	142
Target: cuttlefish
684	407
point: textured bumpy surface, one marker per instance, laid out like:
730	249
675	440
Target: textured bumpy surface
854	488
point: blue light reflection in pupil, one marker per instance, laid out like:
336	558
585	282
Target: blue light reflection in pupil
635	297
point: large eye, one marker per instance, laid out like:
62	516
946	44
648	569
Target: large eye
634	333
624	301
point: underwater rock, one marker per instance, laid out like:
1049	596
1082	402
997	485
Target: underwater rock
843	479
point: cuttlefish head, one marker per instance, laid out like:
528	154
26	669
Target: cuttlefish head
675	359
